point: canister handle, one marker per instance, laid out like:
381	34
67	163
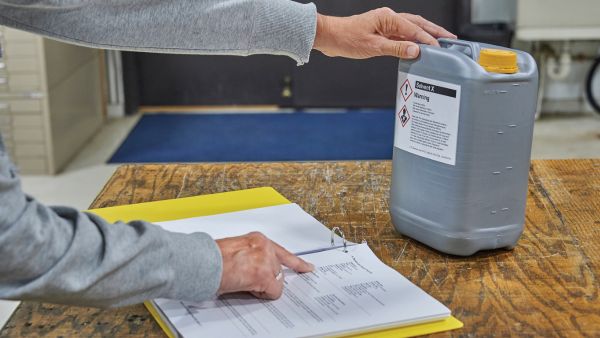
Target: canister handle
473	47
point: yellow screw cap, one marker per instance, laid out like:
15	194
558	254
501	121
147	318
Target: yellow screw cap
498	61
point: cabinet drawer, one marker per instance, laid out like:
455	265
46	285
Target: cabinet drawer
11	34
6	127
24	105
30	150
20	49
32	165
5	120
22	64
28	135
26	120
21	82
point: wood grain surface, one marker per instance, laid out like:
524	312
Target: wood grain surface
547	286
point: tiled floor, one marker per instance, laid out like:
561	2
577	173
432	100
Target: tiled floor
554	137
567	137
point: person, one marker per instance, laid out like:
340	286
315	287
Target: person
61	255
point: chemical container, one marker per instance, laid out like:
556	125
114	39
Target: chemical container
462	146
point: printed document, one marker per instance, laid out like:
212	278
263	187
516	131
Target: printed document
348	292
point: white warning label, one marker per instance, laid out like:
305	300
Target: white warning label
427	117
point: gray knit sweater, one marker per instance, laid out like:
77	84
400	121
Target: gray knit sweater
57	254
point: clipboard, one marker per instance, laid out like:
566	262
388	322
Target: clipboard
213	204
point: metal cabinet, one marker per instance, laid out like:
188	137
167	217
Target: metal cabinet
50	100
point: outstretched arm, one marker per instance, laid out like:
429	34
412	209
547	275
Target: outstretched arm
231	27
60	255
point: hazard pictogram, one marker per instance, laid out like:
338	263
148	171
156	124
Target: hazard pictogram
406	90
404	116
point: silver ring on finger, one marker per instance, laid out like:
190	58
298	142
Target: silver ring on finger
279	275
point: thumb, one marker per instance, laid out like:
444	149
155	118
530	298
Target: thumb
401	49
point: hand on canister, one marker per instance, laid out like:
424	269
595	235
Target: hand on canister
375	33
253	263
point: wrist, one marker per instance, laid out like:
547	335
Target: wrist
196	266
322	34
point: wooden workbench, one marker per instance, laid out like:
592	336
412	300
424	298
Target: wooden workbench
547	286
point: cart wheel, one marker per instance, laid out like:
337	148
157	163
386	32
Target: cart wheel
594	101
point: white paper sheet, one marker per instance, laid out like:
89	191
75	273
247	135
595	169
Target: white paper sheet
347	292
287	224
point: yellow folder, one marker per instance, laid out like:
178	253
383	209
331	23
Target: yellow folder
213	204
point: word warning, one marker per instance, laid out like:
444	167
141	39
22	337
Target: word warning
427	118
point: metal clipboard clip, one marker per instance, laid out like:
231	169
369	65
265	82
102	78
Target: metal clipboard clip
341	234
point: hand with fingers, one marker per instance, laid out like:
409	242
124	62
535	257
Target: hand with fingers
375	33
253	263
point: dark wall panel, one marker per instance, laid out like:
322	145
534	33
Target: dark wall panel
212	80
337	82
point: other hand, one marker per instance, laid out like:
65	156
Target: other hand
375	33
253	262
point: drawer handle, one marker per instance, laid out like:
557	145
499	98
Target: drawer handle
3	105
2	65
3	80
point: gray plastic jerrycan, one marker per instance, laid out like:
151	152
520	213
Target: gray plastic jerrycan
462	146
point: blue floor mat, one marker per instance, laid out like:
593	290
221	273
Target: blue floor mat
300	136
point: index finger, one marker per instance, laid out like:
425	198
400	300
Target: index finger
292	261
408	30
428	26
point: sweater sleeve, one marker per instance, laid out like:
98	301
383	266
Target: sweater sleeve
231	27
61	255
